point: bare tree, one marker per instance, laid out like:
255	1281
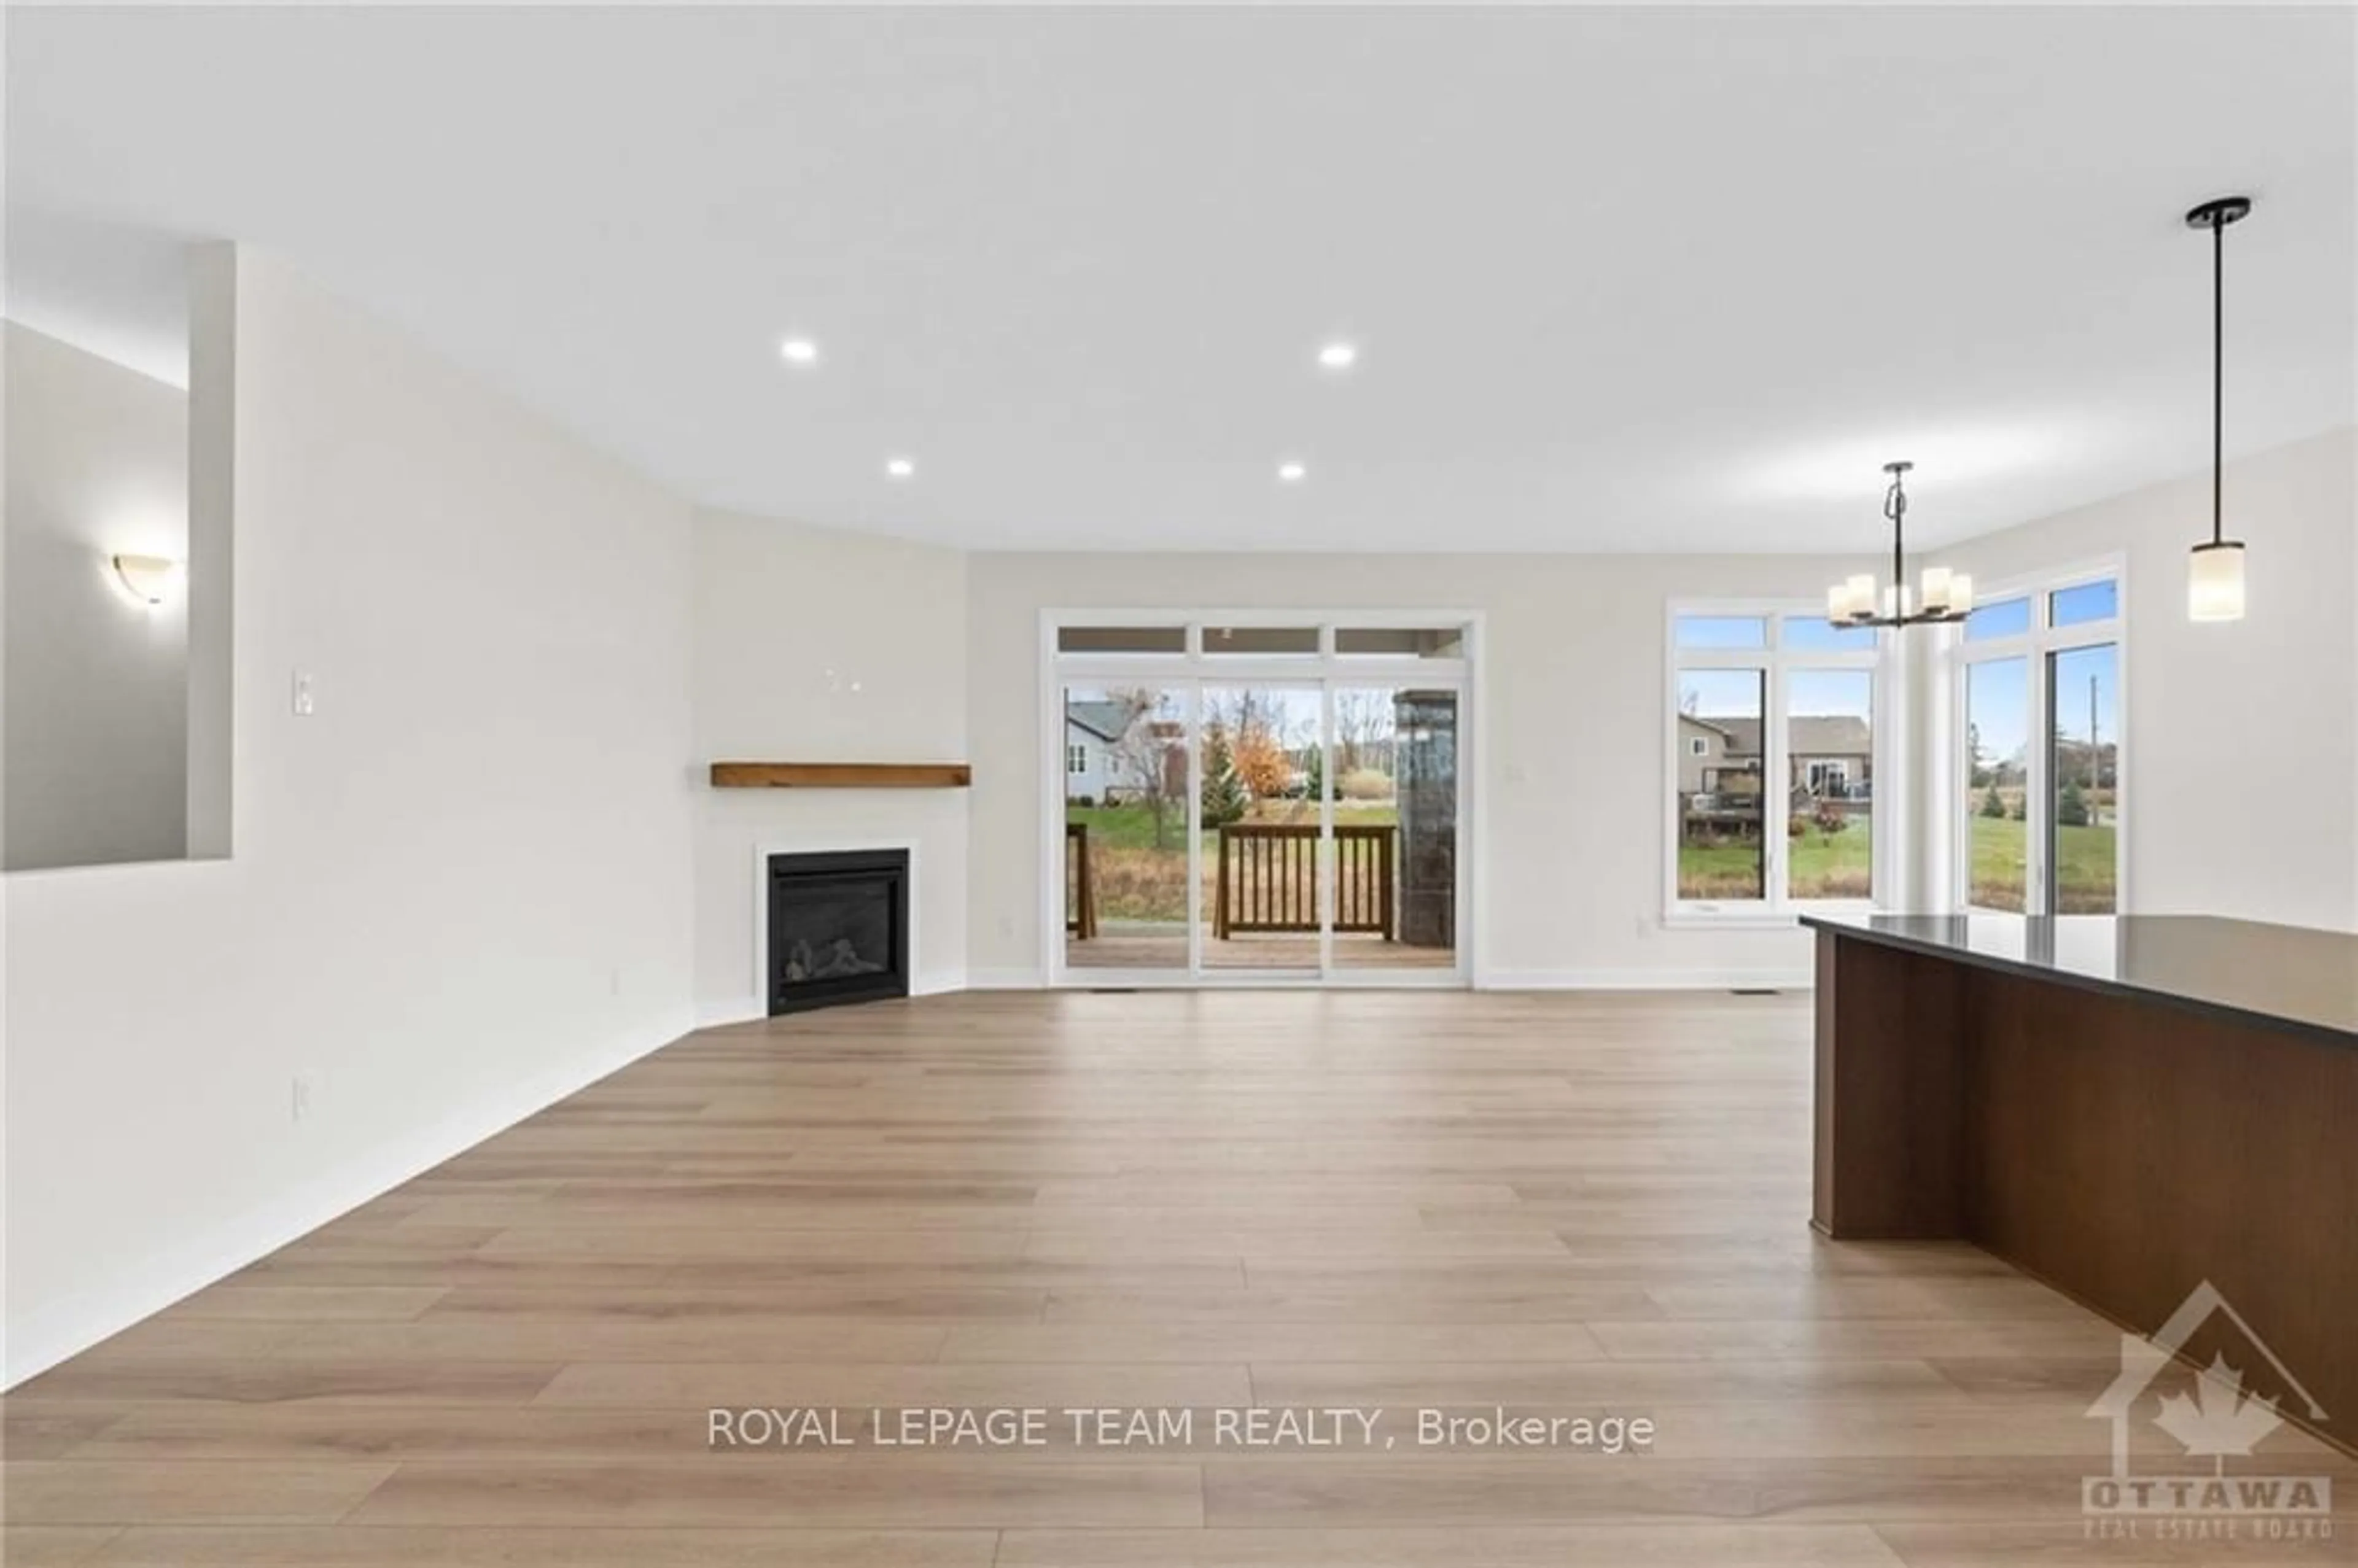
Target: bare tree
1362	719
1143	754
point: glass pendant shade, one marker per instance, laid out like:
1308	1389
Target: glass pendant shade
2214	582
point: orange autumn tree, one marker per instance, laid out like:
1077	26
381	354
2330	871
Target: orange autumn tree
1260	761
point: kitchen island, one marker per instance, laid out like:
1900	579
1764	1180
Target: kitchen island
2125	1106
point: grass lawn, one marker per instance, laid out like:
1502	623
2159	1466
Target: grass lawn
1818	865
2085	873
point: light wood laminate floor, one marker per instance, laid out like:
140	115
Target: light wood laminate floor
1565	1205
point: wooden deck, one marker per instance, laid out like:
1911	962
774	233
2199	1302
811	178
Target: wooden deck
1563	1204
1139	946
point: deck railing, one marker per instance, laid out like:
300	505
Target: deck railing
1267	878
1081	895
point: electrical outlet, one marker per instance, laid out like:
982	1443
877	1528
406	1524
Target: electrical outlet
305	1097
306	698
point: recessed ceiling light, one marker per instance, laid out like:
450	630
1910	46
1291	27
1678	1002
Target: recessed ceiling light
900	468
1293	473
799	351
1339	355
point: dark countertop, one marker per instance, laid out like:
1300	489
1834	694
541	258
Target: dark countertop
2286	977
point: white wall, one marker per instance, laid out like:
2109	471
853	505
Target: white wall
459	892
818	646
2242	774
97	695
1572	787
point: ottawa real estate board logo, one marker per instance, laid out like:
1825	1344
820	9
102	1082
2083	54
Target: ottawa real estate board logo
2219	1420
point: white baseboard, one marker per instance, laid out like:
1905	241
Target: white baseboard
48	1334
1005	980
1646	980
1516	981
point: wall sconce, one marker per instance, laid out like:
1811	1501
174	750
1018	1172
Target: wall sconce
151	579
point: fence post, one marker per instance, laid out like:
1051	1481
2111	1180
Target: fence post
1220	890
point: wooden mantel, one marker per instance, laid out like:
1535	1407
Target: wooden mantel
842	775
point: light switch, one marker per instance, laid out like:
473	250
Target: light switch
306	700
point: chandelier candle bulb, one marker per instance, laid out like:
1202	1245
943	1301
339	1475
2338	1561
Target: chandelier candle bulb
1936	588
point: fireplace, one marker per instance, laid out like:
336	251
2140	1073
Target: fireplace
838	928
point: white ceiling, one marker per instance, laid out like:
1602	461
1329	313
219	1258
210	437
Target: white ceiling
1674	280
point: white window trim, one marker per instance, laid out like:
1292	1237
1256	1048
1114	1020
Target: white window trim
2034	647
1776	662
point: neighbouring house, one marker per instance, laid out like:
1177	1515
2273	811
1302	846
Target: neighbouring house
1106	747
1830	757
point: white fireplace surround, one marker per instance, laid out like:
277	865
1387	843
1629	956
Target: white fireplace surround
754	1004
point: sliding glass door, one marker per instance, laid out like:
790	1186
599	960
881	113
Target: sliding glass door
1264	803
1260	749
1393	799
1128	819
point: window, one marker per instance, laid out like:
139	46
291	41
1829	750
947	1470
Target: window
2084	777
1996	864
1077	759
1121	639
1261	640
1401	642
1815	633
1772	796
1723	631
2084	602
2005	618
2038	749
1723	848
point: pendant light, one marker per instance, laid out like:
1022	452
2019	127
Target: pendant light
2214	579
1947	596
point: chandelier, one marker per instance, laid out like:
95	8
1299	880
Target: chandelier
1946	596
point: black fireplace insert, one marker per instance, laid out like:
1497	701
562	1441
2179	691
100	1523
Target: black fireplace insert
838	928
